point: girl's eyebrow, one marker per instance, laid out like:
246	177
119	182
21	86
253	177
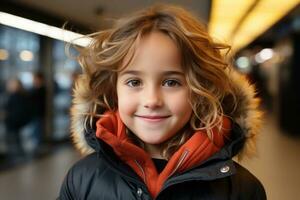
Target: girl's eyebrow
165	73
131	72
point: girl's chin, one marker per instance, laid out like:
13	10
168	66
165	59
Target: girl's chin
154	137
151	141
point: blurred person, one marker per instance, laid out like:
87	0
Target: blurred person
38	101
16	116
161	114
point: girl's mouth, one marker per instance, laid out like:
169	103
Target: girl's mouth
153	118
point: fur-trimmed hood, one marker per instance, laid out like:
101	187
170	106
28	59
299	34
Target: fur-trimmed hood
247	114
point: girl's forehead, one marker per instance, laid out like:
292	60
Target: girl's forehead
155	49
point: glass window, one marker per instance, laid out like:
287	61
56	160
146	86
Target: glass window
19	56
65	70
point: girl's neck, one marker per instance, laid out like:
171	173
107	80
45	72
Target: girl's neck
154	150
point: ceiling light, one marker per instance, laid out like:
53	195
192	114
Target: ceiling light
43	29
26	55
264	55
225	16
242	62
263	16
4	54
240	22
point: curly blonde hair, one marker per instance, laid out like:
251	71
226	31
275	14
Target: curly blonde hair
211	91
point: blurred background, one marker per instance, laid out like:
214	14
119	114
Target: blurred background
36	78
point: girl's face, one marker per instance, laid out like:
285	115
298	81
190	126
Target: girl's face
153	96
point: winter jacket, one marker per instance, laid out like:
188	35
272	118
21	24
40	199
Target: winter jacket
105	174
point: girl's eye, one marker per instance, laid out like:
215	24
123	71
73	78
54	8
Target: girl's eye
133	83
171	83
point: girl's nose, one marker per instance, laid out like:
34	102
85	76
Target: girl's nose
152	98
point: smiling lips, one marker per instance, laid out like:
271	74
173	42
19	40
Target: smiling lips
156	118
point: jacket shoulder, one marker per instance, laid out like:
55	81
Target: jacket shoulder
80	175
247	185
88	163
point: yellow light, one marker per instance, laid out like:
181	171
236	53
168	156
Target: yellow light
26	55
225	16
265	14
4	54
231	22
43	29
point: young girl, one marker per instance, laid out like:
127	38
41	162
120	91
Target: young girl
161	114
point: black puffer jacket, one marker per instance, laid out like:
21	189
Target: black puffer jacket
102	175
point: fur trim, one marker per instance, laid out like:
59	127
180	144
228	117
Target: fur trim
247	113
81	106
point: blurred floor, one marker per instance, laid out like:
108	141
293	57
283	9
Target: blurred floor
277	166
37	180
277	163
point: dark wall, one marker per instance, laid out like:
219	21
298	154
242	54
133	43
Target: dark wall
290	91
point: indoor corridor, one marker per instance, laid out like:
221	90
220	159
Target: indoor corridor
41	43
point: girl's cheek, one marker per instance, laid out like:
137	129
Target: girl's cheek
126	102
179	102
181	107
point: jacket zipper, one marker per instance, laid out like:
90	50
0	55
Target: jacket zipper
181	159
119	171
142	170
